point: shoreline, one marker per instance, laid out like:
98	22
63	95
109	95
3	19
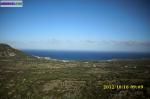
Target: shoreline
103	60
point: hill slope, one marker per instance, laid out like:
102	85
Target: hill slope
7	51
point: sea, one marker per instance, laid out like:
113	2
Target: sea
86	55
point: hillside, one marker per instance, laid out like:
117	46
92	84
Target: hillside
7	51
22	77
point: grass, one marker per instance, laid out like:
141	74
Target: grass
42	79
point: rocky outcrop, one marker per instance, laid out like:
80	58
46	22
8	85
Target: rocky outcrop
8	51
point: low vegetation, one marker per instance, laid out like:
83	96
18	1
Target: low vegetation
45	79
32	78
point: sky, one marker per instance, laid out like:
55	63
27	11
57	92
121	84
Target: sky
84	25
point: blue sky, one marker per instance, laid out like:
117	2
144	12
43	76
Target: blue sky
92	25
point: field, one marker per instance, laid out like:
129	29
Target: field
33	78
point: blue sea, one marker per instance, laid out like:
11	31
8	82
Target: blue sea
87	56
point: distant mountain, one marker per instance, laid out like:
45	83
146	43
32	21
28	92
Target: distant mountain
9	52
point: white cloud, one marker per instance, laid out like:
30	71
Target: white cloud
91	45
